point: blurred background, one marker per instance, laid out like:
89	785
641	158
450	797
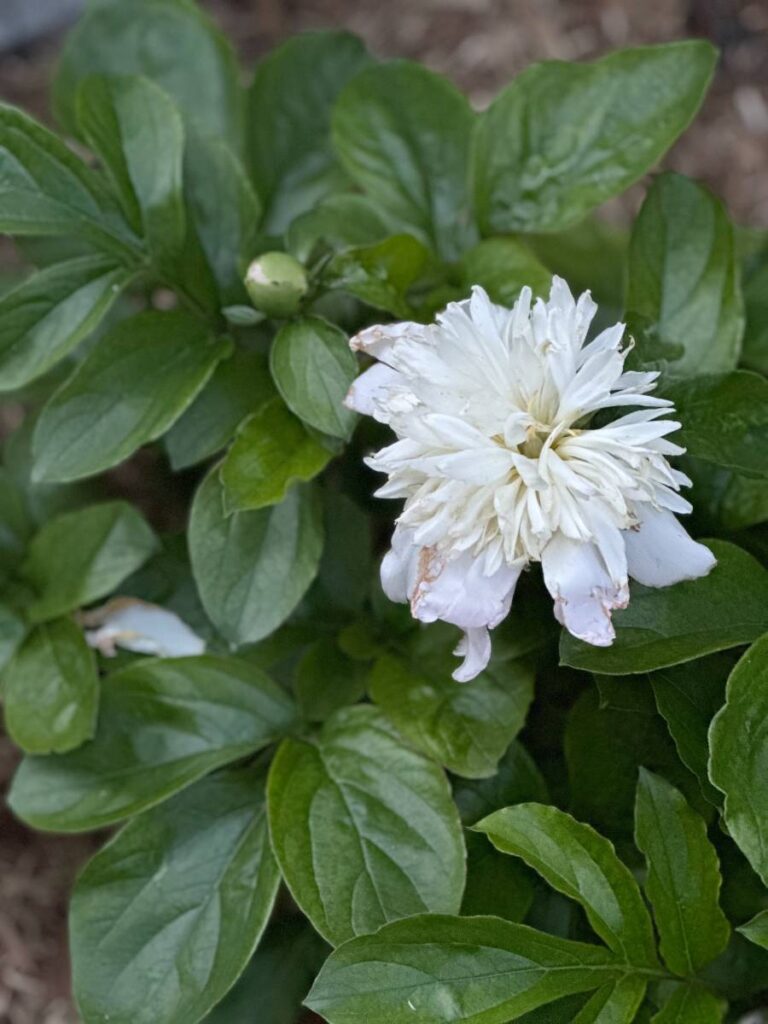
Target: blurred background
480	44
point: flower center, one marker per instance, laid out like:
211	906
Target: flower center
536	437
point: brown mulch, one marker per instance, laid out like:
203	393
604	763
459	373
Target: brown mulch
480	44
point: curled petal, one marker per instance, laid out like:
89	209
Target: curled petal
660	552
140	627
377	341
585	595
457	591
475	648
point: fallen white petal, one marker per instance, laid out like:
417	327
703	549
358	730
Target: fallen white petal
140	627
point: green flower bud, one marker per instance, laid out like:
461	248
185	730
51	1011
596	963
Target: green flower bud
276	283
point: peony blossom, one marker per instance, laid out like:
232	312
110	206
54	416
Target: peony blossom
501	464
140	627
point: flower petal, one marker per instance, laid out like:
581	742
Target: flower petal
367	390
475	648
377	341
584	593
140	627
457	591
660	552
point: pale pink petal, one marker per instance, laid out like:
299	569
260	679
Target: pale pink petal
660	552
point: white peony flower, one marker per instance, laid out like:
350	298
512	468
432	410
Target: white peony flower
140	627
499	466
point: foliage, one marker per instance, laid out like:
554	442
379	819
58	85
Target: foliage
575	836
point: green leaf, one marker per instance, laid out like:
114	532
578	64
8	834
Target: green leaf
253	568
326	680
497	884
563	138
402	133
363	827
12	631
338	222
724	420
81	556
49	314
136	130
690	1004
756	930
683	279
239	385
724	501
173	43
503	266
755	351
225	212
289	108
465	728
47	190
313	368
277	978
624	738
738	755
128	391
163	723
616	1003
667	626
683	882
344	577
272	451
689	696
166	915
380	274
51	690
580	863
472	970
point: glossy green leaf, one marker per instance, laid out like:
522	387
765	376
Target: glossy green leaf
624	738
667	626
165	917
51	312
253	568
380	274
689	696
363	827
503	266
289	109
239	385
326	680
163	723
278	977
738	755
756	930
313	368
128	391
563	138
690	1004
755	350
473	970
173	43
338	222
496	883
724	501
724	420
402	133
51	690
225	211
616	1003
465	728
272	451
344	577
136	130
683	279
81	556
47	190
580	863
683	881
12	631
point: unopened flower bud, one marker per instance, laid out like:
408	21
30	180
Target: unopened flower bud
276	284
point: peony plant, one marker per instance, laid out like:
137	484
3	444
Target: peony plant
221	645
